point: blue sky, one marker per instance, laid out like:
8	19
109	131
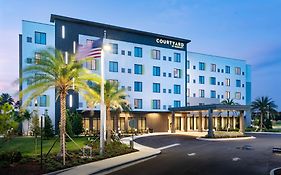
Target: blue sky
246	29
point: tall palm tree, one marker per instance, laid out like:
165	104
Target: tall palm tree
263	105
60	74
114	98
228	102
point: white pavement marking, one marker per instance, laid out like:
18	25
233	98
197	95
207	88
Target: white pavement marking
168	146
191	154
235	159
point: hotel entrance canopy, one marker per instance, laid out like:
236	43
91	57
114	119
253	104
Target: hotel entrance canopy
210	108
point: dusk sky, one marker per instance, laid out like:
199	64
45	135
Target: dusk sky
244	29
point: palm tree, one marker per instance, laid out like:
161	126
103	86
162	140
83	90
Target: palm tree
228	102
60	74
6	98
114	98
263	105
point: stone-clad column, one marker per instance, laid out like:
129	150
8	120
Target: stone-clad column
173	123
242	122
188	123
200	122
194	122
210	123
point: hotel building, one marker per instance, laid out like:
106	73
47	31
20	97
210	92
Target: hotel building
157	71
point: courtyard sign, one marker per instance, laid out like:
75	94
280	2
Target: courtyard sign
174	44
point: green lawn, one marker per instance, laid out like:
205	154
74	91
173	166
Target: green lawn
26	145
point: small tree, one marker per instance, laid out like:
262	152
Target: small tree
35	127
69	130
77	123
7	123
48	130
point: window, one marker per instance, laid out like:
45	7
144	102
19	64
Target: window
201	93
164	90
138	68
29	39
129	88
243	73
122	52
201	66
129	71
156	87
177	89
188	78
177	57
138	52
156	71
227	69
194	95
227	94
164	107
238	83
114	48
219	70
164	74
219	83
201	80
170	74
164	58
238	95
194	67
156	54
43	101
155	104
29	81
213	94
188	64
91	64
29	60
221	96
177	103
213	67
227	82
222	83
170	91
37	58
194	81
74	47
177	73
123	70
138	103
213	80
188	92
170	58
222	71
113	66
62	32
237	70
40	38
70	100
137	86
129	53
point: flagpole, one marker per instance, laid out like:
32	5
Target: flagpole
102	105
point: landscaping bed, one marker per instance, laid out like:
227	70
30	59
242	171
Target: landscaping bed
24	162
224	134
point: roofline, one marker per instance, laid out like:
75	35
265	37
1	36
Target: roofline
65	18
211	106
237	59
38	22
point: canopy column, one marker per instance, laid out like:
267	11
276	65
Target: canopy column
210	123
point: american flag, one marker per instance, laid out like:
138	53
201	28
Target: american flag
91	49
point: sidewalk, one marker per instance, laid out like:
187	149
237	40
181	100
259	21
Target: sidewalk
107	164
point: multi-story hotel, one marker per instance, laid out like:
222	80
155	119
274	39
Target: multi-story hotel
157	71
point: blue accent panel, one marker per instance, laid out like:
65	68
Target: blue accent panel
248	93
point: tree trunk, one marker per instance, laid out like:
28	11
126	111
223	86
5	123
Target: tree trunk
62	125
108	125
261	121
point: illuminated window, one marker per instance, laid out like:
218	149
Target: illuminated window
237	70
138	103
156	54
213	67
62	32
227	82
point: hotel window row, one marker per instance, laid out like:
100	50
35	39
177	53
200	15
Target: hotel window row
156	88
155	104
213	81
213	94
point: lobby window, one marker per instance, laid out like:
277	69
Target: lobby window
238	83
188	64
137	86
164	58
177	89
138	103
201	80
213	80
114	48
177	103
138	52
129	53
227	94
155	54
37	58
238	95
202	66
155	104
213	94
227	82
201	93
29	39
138	68
91	64
43	101
40	38
227	69
129	71
177	73
113	66
156	71
188	78
237	70
177	57
213	67
156	87
122	52
62	32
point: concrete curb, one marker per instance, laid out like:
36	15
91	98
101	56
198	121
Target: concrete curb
225	139
272	172
277	133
